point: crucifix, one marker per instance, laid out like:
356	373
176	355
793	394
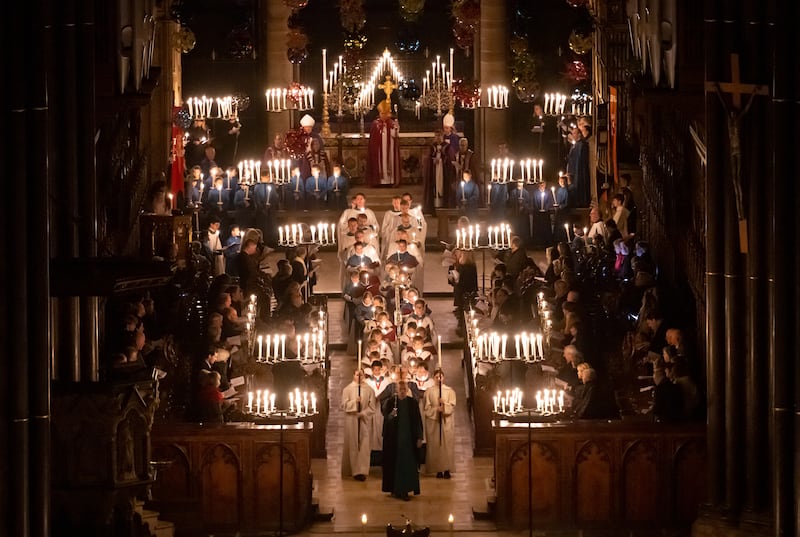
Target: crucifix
734	115
388	86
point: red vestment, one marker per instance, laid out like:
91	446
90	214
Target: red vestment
383	166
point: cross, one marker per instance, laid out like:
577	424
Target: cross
387	87
735	87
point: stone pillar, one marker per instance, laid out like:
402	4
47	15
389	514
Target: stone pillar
491	68
275	67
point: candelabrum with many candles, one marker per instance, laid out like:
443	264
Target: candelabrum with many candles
263	403
470	238
226	108
302	234
549	402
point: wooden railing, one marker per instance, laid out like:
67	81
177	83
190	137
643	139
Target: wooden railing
234	477
597	474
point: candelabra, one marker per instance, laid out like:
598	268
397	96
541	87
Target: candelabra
293	97
494	97
497	238
302	234
581	104
528	347
249	171
437	88
265	406
311	347
530	169
554	104
205	107
548	403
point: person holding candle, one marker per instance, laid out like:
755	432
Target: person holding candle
359	405
543	216
295	190
465	160
521	204
468	195
440	403
266	202
337	186
212	246
377	380
316	187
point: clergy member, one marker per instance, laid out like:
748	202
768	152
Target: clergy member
440	403
358	403
384	148
402	437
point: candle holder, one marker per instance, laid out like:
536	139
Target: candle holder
554	104
495	97
528	347
262	404
530	170
581	104
509	404
311	346
226	108
295	96
302	234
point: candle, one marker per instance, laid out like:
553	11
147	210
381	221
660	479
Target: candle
170	199
314	403
332	230
539	345
276	342
566	229
516	344
440	352
291	402
541	163
260	348
250	401
538	401
503	354
283	346
463	192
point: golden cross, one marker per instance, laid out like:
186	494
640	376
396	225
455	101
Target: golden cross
387	87
736	87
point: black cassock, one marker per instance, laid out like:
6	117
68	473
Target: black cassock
402	427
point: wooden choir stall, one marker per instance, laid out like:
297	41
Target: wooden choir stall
234	476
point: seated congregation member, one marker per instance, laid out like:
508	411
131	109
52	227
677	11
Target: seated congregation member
209	398
280	282
515	258
667	399
337	189
232	246
593	399
568	372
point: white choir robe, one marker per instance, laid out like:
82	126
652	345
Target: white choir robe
376	424
355	453
440	456
353	213
423	384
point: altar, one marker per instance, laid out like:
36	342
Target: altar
414	149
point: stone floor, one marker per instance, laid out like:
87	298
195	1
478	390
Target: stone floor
348	499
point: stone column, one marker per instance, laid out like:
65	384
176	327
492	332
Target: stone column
275	67
491	68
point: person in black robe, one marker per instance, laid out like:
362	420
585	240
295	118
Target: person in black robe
402	438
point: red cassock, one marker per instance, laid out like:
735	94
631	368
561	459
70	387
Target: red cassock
383	166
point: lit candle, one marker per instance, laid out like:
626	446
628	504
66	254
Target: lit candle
314	403
291	402
566	230
268	345
440	352
541	162
250	401
170	199
516	344
260	348
539	345
283	346
504	338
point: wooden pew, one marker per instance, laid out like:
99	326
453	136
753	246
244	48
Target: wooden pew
598	474
227	477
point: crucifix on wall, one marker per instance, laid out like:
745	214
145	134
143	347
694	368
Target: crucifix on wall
734	114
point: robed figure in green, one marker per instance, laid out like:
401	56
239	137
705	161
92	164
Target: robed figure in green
402	438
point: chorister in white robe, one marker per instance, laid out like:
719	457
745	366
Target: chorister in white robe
440	455
378	386
355	453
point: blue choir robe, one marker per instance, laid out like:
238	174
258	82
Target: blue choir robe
562	197
337	192
519	200
193	195
316	187
498	202
358	260
244	208
219	199
468	194
232	247
295	192
231	182
542	218
265	201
